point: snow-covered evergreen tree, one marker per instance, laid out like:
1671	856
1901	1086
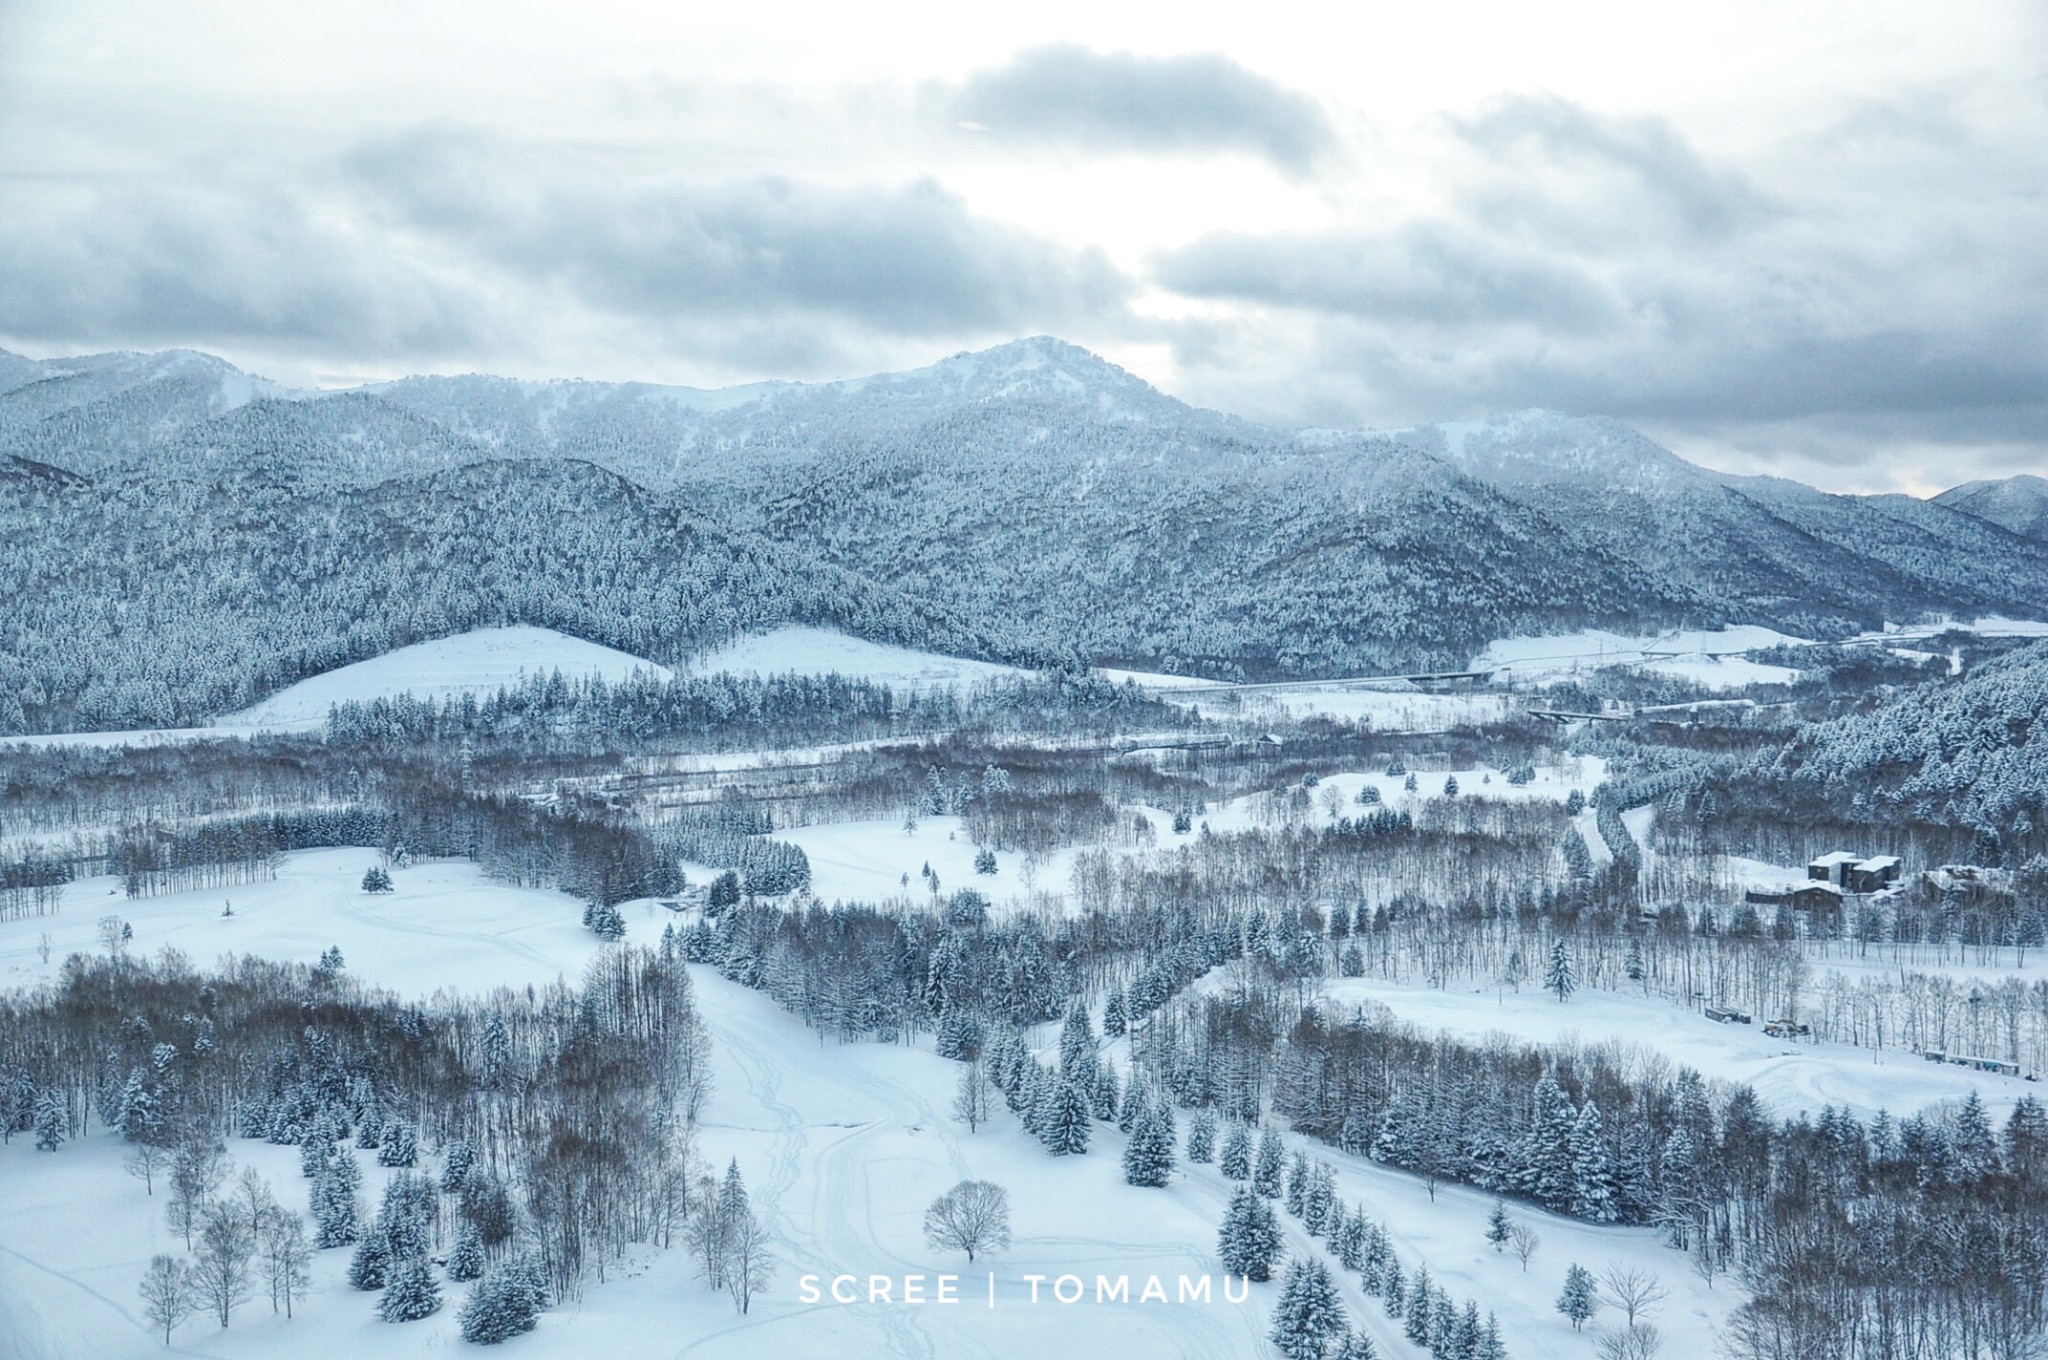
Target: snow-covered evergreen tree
1592	1195
50	1124
1266	1173
412	1294
1148	1152
1497	1226
1236	1161
370	1266
1065	1124
1077	1047
1201	1138
1309	1314
1298	1173
499	1307
1103	1101
1249	1242
1580	1297
1560	980
466	1259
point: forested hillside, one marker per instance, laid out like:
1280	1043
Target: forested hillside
1973	750
1028	501
140	601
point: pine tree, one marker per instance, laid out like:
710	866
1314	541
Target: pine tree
1393	1288
1297	1184
1077	1048
1201	1138
499	1307
1592	1169
1560	981
1491	1347
1353	1345
1971	1142
1308	1314
1497	1226
1236	1161
466	1261
455	1165
1102	1100
1249	1242
370	1266
1148	1153
1420	1304
1136	1102
50	1127
1272	1158
1114	1014
335	1213
1066	1127
412	1294
1579	1299
1321	1195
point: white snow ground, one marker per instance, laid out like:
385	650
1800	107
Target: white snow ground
1789	1076
842	1145
476	662
821	651
1707	658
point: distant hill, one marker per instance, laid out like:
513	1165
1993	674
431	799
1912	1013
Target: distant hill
2016	503
1029	500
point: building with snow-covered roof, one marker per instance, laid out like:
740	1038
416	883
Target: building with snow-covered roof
1832	867
1874	874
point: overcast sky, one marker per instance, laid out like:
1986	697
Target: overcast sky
1796	237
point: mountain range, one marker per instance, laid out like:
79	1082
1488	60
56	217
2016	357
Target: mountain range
186	536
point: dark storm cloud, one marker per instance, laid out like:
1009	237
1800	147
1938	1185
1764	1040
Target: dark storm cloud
902	260
1119	101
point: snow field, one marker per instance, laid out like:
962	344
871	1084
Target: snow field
1789	1076
822	651
1700	656
842	1147
476	662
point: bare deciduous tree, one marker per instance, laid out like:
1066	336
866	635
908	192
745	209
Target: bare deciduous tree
973	1216
1523	1241
971	1102
143	1161
748	1265
1637	1341
1632	1289
287	1261
221	1270
167	1294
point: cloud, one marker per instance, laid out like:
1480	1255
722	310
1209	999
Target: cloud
899	259
449	246
1431	273
151	264
1853	292
1119	101
1567	171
